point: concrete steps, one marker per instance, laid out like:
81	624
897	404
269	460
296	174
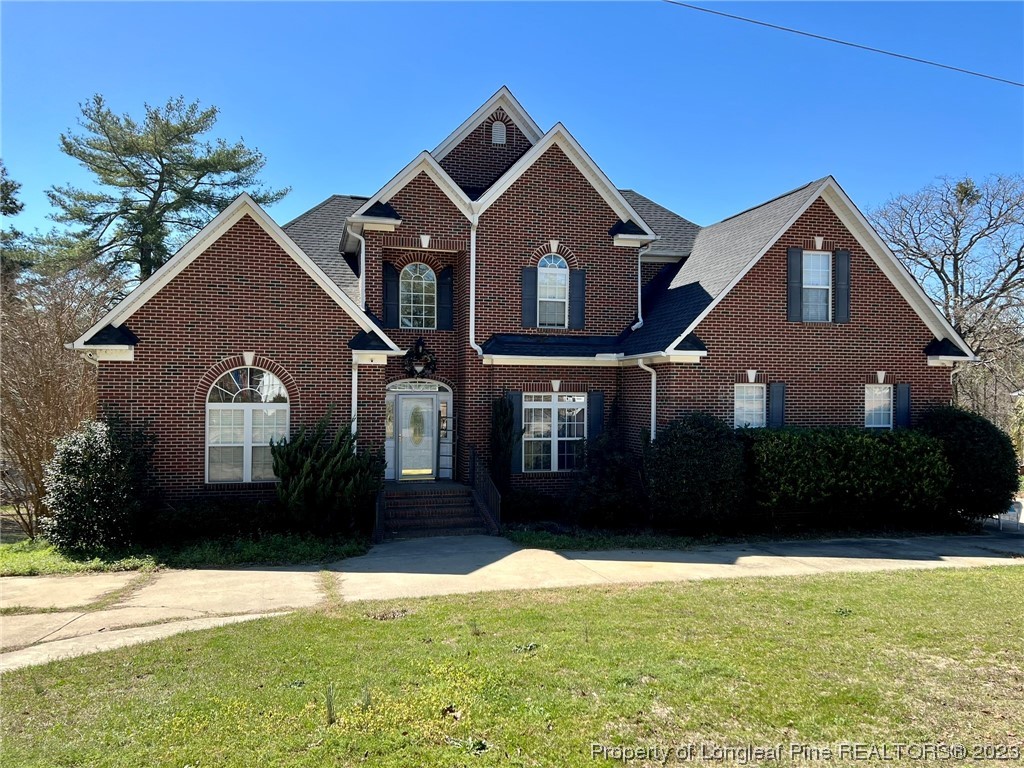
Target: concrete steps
443	510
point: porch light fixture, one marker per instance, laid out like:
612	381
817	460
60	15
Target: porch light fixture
556	385
425	241
881	376
751	376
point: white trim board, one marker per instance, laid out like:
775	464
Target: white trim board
502	99
243	205
849	215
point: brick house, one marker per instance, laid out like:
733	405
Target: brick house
505	263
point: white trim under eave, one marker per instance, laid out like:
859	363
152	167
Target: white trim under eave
598	361
502	99
242	206
379	357
422	163
560	137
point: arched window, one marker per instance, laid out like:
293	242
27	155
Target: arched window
245	409
498	131
417	303
552	292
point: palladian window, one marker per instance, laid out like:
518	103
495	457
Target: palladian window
245	410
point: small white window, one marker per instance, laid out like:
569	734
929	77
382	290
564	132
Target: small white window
245	409
817	287
417	302
749	405
552	292
498	132
878	406
555	427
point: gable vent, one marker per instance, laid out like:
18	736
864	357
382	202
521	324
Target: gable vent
498	132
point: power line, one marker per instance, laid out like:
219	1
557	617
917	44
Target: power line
845	42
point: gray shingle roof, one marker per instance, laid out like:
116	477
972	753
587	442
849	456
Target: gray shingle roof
676	233
318	232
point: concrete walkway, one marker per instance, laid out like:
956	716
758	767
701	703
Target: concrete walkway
63	616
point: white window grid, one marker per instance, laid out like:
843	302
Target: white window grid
555	428
817	287
417	297
552	292
749	405
878	406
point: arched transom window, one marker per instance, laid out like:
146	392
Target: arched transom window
418	297
552	292
245	410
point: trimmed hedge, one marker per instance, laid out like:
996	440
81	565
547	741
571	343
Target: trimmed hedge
837	478
695	475
982	461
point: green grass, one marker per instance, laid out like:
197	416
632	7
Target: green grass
535	678
36	558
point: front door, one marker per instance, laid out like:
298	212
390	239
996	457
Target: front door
417	438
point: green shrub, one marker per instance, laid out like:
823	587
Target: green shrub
325	486
610	491
97	485
504	440
529	506
198	519
695	475
982	462
835	478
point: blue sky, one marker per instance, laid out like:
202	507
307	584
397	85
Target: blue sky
705	115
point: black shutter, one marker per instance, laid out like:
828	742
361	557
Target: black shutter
444	299
529	297
577	297
795	284
842	272
390	296
902	405
516	399
595	414
776	405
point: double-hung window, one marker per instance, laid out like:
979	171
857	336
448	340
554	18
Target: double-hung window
749	405
552	292
817	287
417	303
555	428
878	406
245	409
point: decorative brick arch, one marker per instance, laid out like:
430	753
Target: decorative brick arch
420	257
545	248
238	361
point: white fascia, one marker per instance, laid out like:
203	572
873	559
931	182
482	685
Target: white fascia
609	360
560	137
243	205
422	163
375	223
502	99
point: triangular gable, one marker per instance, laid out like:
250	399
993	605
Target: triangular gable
423	163
242	206
502	99
829	190
561	138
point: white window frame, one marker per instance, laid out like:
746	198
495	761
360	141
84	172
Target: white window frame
560	272
402	293
247	442
550	401
804	286
869	390
747	387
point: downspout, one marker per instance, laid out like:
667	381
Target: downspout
654	396
362	267
355	392
472	285
639	291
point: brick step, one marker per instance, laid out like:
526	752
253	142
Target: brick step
422	533
451	501
430	514
471	520
426	498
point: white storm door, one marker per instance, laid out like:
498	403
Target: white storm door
417	436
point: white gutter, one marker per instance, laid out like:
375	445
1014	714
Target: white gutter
472	284
362	273
654	396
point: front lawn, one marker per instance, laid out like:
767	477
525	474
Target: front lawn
36	558
538	678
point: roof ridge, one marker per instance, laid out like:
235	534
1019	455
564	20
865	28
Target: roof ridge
321	204
772	200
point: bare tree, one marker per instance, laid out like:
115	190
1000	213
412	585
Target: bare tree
964	242
45	389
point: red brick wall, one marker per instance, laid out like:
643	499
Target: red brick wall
824	365
475	162
244	294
